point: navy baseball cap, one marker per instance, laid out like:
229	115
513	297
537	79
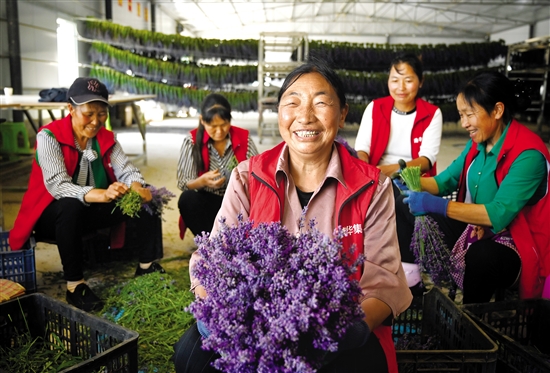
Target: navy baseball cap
84	90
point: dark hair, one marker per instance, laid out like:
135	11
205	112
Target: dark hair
489	87
318	66
410	59
213	104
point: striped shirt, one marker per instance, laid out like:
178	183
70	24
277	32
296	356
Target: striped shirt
60	184
187	171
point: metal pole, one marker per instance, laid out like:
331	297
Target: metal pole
109	10
14	52
153	16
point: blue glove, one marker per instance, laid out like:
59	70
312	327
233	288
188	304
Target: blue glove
422	203
399	184
202	329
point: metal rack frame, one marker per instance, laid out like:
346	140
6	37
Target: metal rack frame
267	70
537	74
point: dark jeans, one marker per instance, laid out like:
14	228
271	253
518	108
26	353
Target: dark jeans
199	209
67	220
189	357
489	265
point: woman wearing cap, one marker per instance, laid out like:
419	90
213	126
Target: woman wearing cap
79	172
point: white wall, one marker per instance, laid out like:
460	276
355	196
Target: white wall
520	34
136	14
164	22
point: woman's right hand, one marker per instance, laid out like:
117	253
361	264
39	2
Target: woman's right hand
212	179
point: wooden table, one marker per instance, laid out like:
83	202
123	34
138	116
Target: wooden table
30	102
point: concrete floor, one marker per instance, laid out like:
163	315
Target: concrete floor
163	144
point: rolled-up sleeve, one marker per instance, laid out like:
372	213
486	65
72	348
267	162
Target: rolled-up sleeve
383	277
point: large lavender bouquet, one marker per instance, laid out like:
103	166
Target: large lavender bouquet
427	244
276	302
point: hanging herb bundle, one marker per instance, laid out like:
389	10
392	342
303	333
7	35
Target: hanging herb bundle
427	244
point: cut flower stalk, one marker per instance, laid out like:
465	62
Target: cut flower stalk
427	243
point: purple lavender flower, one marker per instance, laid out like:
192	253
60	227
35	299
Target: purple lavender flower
161	197
275	300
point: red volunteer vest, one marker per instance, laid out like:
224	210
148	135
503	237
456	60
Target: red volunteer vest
352	202
37	197
530	229
381	126
239	144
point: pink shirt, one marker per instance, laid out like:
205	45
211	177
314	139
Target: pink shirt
383	277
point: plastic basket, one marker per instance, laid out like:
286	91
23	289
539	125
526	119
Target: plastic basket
462	346
18	266
103	346
521	329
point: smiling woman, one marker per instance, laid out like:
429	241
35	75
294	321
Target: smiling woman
79	172
311	177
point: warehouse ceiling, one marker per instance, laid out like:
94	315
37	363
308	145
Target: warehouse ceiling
467	19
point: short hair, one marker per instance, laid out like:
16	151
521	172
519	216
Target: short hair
410	59
489	87
319	66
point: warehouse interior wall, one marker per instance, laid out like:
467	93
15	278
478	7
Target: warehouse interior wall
38	36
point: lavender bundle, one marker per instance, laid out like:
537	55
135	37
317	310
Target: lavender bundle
427	244
159	202
131	203
277	302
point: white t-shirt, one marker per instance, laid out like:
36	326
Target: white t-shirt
399	143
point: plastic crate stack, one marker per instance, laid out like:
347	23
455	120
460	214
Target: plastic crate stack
18	266
521	329
102	345
434	335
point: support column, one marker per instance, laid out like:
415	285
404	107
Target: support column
14	48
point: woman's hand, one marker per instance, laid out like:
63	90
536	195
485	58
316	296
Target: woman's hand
145	193
212	179
115	191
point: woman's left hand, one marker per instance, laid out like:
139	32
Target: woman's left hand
422	203
145	193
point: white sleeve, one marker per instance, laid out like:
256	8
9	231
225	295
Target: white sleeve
431	139
364	135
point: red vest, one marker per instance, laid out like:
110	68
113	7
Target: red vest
381	126
37	197
530	229
352	202
239	143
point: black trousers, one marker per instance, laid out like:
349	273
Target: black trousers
489	265
199	209
67	220
189	357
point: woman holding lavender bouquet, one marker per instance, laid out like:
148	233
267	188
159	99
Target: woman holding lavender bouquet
498	227
310	170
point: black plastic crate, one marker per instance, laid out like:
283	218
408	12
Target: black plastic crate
103	346
521	329
460	344
18	266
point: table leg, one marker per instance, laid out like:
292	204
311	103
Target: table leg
141	125
31	121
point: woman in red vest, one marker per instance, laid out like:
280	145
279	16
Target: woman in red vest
499	226
401	126
310	170
79	172
207	157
